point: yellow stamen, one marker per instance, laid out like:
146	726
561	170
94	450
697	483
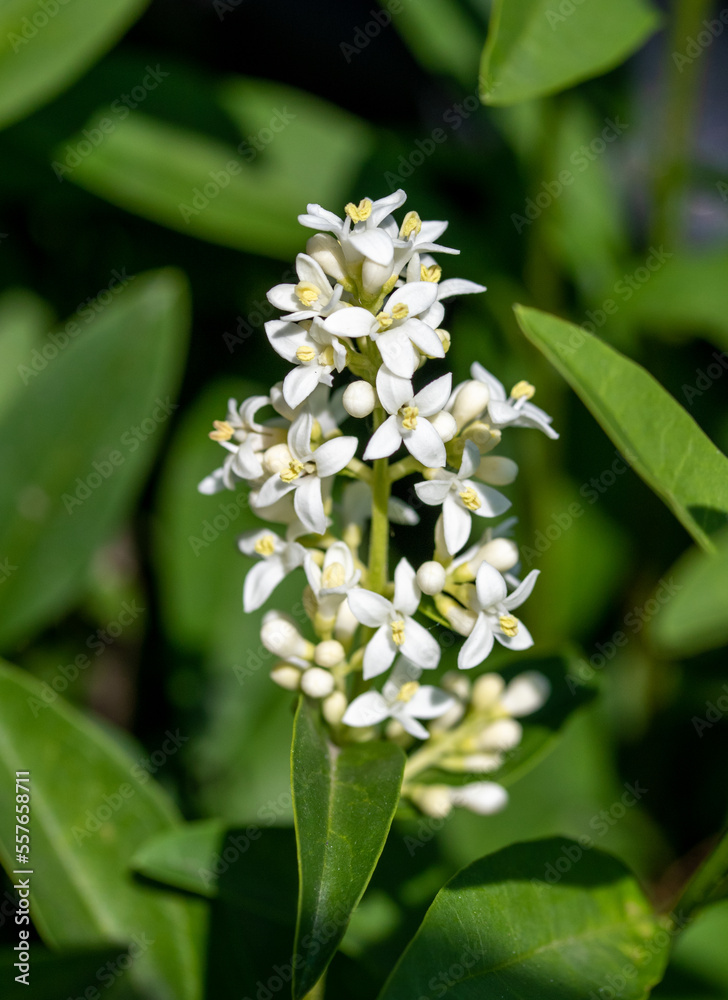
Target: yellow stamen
398	631
409	417
408	691
400	311
266	545
307	293
384	320
470	498
432	273
223	431
334	575
509	624
523	389
305	353
360	212
326	357
412	224
294	470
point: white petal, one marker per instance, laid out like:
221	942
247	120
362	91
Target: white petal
490	585
425	444
309	504
457	524
333	455
379	654
429	702
522	591
374	244
406	592
433	492
369	608
393	390
384	441
434	396
416	295
521	640
366	710
354	322
299	383
477	646
420	646
457	286
397	352
470	460
261	581
526	693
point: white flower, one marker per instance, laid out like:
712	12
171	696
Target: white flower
408	421
513	410
332	581
305	472
313	292
396	330
460	497
315	352
402	699
495	621
278	559
397	631
246	440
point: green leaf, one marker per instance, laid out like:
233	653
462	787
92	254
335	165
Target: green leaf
545	920
84	830
239	196
343	803
657	437
44	47
102	387
694	619
535	48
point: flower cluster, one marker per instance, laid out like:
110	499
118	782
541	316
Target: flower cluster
358	327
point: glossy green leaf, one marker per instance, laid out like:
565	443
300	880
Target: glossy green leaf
44	47
661	442
293	149
538	47
545	920
84	830
103	388
695	618
344	802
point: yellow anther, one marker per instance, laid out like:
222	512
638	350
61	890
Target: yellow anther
398	632
509	624
432	273
384	320
523	389
294	470
223	431
266	545
305	353
334	575
412	224
400	311
307	293
408	691
360	212
409	417
470	498
326	357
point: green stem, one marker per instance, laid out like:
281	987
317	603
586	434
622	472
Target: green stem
711	874
379	539
679	118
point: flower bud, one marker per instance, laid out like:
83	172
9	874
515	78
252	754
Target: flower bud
329	653
327	252
497	470
502	553
333	708
526	693
359	399
503	735
279	635
286	676
486	691
276	459
470	402
445	425
481	797
317	683
431	578
432	800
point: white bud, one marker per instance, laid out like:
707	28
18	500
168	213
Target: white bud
286	676
470	402
481	797
526	693
431	578
359	399
279	635
317	683
503	735
497	470
327	252
502	553
329	653
486	691
432	800
276	459
445	425
333	707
